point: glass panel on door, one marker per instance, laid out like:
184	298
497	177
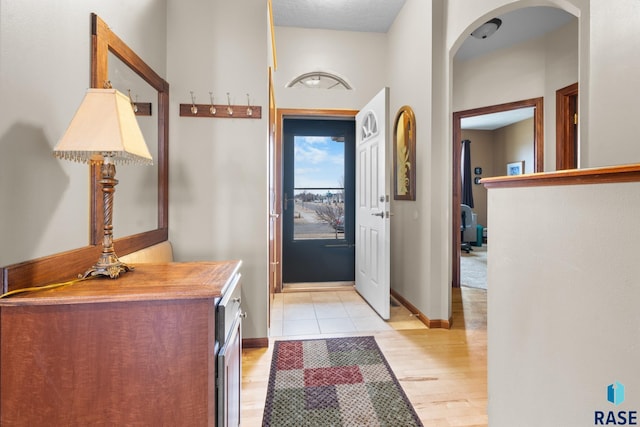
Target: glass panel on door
319	196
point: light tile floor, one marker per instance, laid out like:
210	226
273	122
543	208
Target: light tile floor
333	312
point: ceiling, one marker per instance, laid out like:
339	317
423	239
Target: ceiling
347	15
378	15
517	26
495	121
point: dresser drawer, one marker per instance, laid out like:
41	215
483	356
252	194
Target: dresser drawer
228	310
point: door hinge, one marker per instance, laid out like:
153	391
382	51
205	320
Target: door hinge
575	118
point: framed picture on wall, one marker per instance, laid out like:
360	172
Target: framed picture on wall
515	168
404	155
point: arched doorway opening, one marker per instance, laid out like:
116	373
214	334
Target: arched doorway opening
497	77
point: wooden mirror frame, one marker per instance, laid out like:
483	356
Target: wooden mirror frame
103	41
67	265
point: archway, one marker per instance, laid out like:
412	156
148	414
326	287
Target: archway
493	85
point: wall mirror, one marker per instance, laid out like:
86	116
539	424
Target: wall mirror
140	217
404	155
141	206
136	201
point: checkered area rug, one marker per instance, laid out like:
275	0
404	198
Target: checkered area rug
334	382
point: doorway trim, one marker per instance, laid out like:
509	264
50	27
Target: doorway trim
277	174
538	166
566	121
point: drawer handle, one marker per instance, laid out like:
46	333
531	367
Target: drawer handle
236	300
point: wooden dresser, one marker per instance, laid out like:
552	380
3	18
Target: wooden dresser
141	350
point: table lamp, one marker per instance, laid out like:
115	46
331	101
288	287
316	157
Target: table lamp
105	129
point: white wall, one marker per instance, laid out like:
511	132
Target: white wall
420	271
561	70
515	143
44	73
357	57
614	85
507	75
218	167
562	303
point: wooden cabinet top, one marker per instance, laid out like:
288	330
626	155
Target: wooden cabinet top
169	281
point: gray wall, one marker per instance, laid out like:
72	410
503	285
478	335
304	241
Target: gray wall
218	182
44	73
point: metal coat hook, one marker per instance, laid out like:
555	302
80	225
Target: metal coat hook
249	109
212	108
194	109
229	108
133	104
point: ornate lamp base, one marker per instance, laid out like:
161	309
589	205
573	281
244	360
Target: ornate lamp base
108	265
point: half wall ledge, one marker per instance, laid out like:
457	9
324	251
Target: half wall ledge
602	175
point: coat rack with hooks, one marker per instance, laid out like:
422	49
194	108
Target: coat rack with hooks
139	108
222	111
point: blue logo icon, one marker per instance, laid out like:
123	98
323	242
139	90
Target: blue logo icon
615	393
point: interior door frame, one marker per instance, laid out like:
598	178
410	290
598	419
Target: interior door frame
278	173
538	166
566	120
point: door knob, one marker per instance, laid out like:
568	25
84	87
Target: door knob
380	214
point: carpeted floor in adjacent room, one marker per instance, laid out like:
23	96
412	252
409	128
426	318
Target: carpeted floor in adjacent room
473	268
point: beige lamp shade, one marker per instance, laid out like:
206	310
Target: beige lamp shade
104	126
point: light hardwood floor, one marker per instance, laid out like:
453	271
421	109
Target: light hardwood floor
443	372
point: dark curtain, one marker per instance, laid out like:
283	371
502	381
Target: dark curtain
467	179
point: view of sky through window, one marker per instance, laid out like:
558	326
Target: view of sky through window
318	163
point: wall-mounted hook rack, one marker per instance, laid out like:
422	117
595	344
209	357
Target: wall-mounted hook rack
229	109
249	107
139	108
221	111
239	111
212	108
144	108
193	108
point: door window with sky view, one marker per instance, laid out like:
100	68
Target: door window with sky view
319	194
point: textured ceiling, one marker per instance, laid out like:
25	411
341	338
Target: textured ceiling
346	15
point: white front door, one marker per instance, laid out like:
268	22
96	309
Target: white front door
372	204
